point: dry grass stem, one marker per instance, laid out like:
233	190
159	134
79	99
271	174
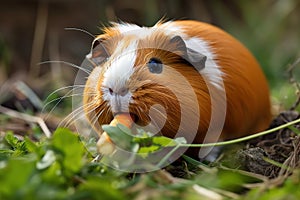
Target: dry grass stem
28	118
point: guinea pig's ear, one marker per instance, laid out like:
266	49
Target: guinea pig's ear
194	58
98	52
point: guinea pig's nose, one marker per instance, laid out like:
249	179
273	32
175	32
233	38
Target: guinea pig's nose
122	91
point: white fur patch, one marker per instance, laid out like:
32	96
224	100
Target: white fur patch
211	72
120	66
126	27
143	32
169	28
119	70
132	29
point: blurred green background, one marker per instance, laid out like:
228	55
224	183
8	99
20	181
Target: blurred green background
32	31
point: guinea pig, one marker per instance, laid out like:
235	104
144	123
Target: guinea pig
185	78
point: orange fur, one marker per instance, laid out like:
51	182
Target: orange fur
244	81
247	93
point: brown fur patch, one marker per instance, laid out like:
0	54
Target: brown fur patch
248	103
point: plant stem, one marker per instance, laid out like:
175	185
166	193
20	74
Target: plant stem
287	125
164	160
243	138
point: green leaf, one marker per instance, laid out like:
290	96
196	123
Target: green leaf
124	129
31	146
135	147
122	139
143	133
71	148
98	188
15	175
144	151
164	141
180	140
47	160
12	140
34	147
143	141
192	161
15	144
294	129
53	174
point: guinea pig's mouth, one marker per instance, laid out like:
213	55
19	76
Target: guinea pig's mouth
133	116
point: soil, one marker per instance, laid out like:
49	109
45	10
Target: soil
279	148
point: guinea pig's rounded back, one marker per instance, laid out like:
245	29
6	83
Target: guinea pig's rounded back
182	79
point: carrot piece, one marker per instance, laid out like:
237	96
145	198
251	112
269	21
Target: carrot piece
122	118
105	145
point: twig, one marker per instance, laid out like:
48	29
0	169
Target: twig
39	38
226	193
28	118
29	94
291	163
206	193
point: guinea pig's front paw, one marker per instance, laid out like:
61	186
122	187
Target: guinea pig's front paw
104	145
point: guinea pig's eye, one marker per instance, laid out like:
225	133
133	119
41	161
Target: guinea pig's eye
155	66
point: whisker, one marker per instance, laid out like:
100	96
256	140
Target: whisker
105	111
171	97
104	108
59	99
158	112
66	63
66	96
81	30
153	121
74	87
96	117
63	88
90	111
77	112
